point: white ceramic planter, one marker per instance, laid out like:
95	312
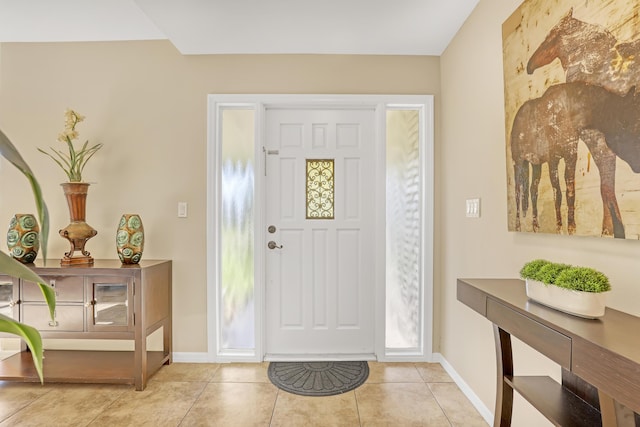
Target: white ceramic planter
590	305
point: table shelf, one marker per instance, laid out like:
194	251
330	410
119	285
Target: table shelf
561	406
79	366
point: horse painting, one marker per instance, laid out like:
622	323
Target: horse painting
548	128
540	134
591	54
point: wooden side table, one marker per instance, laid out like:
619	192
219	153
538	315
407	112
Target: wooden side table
600	358
106	300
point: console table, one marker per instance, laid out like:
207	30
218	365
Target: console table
600	358
106	300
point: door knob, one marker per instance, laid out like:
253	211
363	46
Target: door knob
273	245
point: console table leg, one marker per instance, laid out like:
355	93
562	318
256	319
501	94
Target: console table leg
614	413
504	367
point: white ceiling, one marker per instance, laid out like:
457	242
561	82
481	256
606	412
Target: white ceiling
395	27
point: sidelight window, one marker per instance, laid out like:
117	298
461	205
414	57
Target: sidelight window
404	289
236	298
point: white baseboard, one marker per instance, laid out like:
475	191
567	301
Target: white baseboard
405	357
186	357
317	357
204	357
475	400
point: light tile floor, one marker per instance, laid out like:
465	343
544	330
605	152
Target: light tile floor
189	394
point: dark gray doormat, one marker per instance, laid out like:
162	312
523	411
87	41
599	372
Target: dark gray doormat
318	378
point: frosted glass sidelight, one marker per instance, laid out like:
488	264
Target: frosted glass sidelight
403	231
237	315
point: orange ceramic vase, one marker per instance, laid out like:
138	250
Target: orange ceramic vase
78	231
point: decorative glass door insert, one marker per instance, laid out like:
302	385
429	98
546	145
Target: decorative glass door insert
320	186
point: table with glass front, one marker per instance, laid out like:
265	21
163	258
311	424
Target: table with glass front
104	301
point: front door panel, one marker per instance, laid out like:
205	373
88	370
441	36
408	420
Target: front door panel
319	270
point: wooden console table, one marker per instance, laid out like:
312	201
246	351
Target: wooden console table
107	300
600	358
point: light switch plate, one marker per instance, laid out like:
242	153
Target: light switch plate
473	208
182	209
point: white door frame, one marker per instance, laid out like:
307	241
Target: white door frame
259	103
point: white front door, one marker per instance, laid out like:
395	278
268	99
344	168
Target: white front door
319	276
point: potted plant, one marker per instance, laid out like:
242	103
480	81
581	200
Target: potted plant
72	163
12	267
580	291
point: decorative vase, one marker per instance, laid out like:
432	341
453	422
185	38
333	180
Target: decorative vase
78	231
23	238
590	305
130	239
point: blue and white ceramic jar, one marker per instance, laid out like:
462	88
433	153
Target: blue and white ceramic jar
130	239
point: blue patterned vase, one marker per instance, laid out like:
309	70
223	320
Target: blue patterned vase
23	239
130	239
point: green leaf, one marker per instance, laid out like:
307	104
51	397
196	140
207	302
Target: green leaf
30	336
9	152
10	266
13	268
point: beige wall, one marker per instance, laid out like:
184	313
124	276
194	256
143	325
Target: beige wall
471	159
148	105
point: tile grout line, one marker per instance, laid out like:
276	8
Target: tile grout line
109	405
355	396
24	407
194	402
438	402
428	384
275	402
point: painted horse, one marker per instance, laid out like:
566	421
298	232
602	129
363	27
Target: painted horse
548	128
591	54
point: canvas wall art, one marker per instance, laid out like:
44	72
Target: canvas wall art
572	117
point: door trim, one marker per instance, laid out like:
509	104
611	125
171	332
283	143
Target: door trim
260	103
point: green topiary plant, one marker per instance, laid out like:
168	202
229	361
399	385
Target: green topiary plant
531	269
549	272
565	276
583	279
